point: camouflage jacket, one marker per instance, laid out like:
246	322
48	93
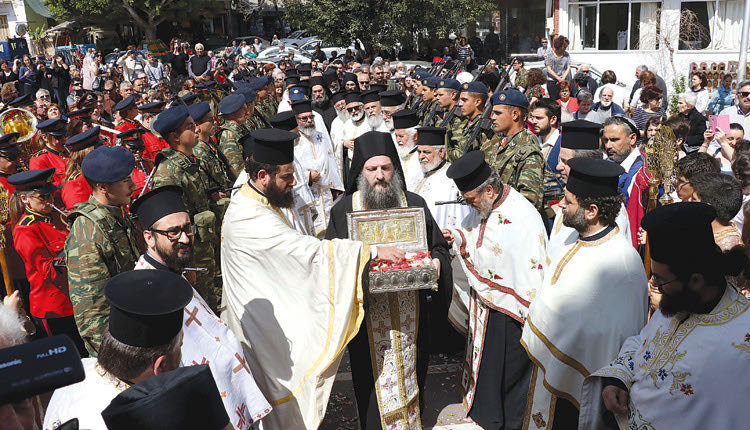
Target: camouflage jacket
423	119
460	132
229	145
102	243
185	171
213	168
522	78
519	161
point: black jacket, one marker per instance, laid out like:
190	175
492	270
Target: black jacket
694	139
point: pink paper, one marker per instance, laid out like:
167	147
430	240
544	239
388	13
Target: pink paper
719	122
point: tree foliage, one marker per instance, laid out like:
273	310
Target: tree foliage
145	14
383	22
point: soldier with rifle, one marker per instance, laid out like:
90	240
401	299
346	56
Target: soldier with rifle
446	95
472	102
232	111
429	104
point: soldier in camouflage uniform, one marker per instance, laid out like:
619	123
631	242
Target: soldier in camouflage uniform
472	101
514	151
429	104
446	95
178	165
232	109
103	241
522	75
250	122
263	110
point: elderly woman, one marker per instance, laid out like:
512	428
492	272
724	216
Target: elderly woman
650	98
686	106
585	100
698	84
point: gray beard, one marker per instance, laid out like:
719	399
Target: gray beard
432	165
307	130
343	115
404	150
381	199
319	102
388	123
374	121
485	208
357	118
605	105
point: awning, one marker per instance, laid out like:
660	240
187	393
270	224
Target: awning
39	7
64	26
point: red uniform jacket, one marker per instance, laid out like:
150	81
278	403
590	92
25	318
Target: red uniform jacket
126	124
75	190
154	145
46	158
15	264
39	243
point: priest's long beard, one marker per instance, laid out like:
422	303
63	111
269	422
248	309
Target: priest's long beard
357	117
485	208
374	120
175	255
307	130
378	198
320	102
278	197
430	165
576	221
343	115
405	149
388	123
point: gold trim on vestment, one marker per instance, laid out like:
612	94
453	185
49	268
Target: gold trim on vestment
111	379
576	246
570	361
550	388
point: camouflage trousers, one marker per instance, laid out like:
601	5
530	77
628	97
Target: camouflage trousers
208	282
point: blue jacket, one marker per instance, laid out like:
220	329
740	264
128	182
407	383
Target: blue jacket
721	98
616	109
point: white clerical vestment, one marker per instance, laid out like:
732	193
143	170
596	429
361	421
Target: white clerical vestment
563	236
412	169
593	298
294	301
688	371
208	340
353	130
84	400
503	257
302	214
337	141
315	153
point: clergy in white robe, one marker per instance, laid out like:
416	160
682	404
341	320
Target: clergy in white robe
405	123
357	125
593	298
687	368
337	128
298	93
562	237
293	301
501	246
313	151
137	328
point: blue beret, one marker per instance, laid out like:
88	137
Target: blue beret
431	82
258	83
450	84
510	97
231	103
199	110
151	106
53	126
34	180
296	93
170	120
204	85
22	101
124	104
84	140
189	98
107	165
474	87
248	93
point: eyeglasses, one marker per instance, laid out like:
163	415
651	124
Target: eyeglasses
306	118
364	82
43	196
44	97
354	109
652	281
175	233
744	93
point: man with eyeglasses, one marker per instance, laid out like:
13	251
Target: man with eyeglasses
103	239
41	102
178	165
740	113
53	154
363	80
355	127
169	236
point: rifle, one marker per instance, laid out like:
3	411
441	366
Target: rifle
485	123
454	111
418	99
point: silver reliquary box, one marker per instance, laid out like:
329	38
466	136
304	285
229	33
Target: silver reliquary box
405	229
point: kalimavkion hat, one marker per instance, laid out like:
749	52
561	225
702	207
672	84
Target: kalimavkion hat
469	171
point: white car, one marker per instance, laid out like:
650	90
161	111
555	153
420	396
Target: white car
310	45
297	38
274	52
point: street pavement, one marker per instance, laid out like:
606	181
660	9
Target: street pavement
443	408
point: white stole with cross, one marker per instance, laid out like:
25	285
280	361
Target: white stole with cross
392	320
208	340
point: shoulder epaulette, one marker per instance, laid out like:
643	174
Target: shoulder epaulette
40	152
27	220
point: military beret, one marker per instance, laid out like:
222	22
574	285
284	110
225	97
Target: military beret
22	101
84	140
34	180
296	93
510	97
258	84
231	104
469	171
146	323
580	134
591	177
124	103
431	136
301	106
431	82
450	84
189	98
199	110
392	98
204	85
370	96
273	146
54	126
284	120
405	118
153	107
107	165
170	120
8	143
248	93
474	87
158	203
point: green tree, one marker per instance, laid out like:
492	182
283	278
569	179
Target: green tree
144	14
383	22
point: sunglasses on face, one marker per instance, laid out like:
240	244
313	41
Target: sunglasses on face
744	93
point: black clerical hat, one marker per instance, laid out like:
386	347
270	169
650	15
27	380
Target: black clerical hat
353	97
431	136
469	171
405	118
146	306
301	106
316	80
184	398
591	177
366	146
158	203
370	96
392	98
338	96
682	233
273	146
284	120
580	134
349	77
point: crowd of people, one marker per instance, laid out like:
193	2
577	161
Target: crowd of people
189	226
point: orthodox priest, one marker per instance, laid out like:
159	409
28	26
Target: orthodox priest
389	355
501	247
293	334
592	299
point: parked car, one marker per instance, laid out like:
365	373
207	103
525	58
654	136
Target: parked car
275	53
297	38
310	45
249	39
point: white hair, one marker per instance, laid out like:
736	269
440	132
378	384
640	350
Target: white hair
199	45
11	331
41	92
125	84
689	98
411	132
